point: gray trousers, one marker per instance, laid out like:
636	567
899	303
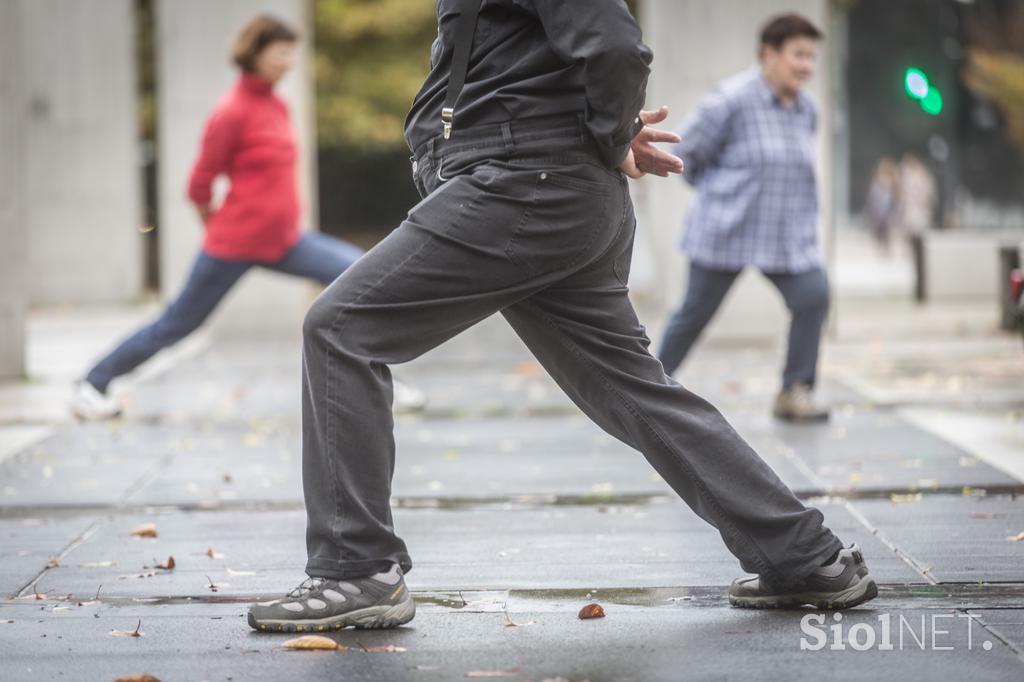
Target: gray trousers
519	219
806	296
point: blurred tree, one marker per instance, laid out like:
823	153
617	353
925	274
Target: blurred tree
371	58
999	77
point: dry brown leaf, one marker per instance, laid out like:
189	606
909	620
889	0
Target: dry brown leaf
494	673
146	530
128	633
52	562
384	649
1019	537
591	611
137	678
313	642
167	565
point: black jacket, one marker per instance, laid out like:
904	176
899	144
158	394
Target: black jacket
537	58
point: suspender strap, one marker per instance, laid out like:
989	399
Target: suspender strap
464	30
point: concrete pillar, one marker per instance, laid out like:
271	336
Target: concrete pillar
696	44
83	195
194	71
13	290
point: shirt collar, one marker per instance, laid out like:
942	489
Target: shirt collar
250	82
769	97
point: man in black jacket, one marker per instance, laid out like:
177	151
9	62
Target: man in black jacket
522	138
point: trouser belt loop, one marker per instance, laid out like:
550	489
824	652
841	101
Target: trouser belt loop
506	135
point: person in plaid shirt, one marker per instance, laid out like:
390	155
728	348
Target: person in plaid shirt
749	152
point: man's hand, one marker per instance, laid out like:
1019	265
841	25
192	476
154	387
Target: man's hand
644	157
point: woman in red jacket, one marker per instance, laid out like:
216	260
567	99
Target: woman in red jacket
249	139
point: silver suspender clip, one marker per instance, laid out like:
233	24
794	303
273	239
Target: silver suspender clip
447	118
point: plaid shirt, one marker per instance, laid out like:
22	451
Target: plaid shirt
752	163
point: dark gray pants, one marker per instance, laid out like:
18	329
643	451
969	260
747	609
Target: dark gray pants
519	219
806	297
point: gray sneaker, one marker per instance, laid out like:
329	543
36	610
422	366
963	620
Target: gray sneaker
318	604
797	404
840	585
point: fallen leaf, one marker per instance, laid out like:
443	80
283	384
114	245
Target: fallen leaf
52	562
146	530
529	369
213	555
384	649
167	565
1019	537
313	642
494	673
509	623
591	611
137	678
227	478
128	633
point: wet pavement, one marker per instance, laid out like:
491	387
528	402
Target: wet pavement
517	512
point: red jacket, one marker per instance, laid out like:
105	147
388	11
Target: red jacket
249	138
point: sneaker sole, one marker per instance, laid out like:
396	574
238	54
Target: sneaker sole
371	618
865	590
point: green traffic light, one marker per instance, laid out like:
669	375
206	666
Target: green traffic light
932	103
916	83
918	87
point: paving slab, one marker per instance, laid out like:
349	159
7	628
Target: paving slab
957	538
1007	623
82	464
27	544
670	643
596	546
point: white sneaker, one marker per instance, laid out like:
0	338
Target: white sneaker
88	404
407	398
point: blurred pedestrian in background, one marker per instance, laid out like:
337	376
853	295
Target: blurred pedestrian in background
881	207
249	139
749	152
918	196
915	213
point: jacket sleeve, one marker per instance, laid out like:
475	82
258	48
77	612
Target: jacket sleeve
704	135
220	140
604	39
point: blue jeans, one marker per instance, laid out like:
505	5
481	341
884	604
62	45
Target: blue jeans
806	295
316	256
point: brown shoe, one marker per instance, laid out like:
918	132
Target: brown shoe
797	404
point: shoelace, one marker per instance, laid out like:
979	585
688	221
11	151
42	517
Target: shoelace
305	587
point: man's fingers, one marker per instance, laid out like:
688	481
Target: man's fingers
655	135
653	160
649	117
